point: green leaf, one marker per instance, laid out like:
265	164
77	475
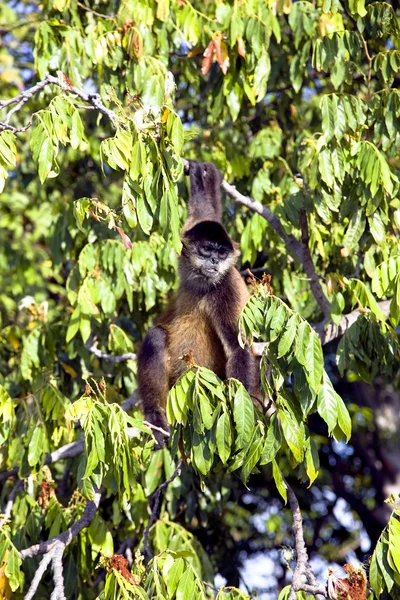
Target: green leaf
74	324
234	100
394	542
175	132
224	437
12	569
80	208
186	589
287	339
303	340
252	457
76	130
138	161
243	414
8	149
293	433
355	229
377	228
174	575
201	454
358	7
312	460
273	441
375	577
85	327
280	485
326	168
36	446
285	592
30	354
327	402
46	158
144	215
261	75
314	361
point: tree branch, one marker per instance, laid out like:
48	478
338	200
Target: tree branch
67	536
10	502
303	568
7	474
298	250
157	495
53	551
58	574
332	331
44	563
94	101
309	267
115	359
97	14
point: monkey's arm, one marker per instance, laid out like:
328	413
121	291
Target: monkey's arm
205	193
153	379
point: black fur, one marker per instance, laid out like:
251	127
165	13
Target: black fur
209	230
153	379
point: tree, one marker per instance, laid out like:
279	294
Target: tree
297	104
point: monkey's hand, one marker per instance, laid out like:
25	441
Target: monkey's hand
160	429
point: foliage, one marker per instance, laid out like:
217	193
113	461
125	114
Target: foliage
385	567
298	104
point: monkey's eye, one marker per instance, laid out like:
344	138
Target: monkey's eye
222	252
205	250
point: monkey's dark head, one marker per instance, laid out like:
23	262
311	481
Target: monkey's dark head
207	255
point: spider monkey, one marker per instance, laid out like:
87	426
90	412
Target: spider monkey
203	314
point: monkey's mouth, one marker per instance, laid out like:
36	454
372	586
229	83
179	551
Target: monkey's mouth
209	272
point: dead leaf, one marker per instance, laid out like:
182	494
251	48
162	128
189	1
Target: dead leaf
241	47
125	239
207	60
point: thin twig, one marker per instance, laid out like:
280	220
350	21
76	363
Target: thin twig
309	267
97	14
10	502
303	568
370	60
157	494
297	249
4	29
94	100
130	402
112	358
156	428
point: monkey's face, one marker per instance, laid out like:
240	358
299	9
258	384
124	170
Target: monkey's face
208	254
211	259
205	263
